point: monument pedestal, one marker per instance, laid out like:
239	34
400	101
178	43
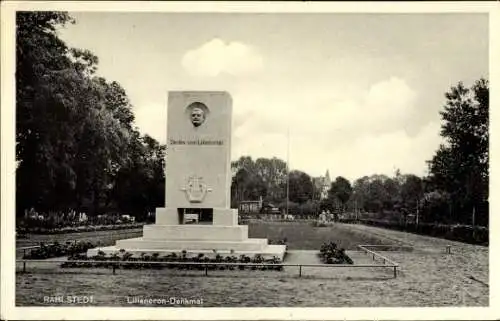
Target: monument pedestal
168	235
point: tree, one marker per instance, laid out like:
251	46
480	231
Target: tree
391	194
460	166
273	173
40	56
74	131
435	207
300	187
411	191
265	177
247	184
360	193
340	190
140	184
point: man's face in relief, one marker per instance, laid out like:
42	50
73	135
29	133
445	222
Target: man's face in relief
197	117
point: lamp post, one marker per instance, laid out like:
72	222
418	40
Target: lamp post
417	212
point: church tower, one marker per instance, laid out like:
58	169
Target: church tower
326	185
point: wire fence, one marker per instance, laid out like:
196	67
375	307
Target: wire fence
116	265
386	263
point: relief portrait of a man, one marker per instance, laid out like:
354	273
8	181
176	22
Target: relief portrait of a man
197	113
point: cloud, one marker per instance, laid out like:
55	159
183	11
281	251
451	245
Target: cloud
217	57
386	152
375	154
355	134
325	116
351	133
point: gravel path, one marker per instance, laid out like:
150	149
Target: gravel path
466	259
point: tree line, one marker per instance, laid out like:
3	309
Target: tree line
77	148
454	191
76	143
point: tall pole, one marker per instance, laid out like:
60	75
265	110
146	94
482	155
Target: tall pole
417	212
287	168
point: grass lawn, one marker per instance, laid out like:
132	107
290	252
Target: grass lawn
303	236
428	276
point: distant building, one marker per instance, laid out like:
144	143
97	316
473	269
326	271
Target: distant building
247	207
322	184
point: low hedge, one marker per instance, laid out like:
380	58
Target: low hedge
76	229
462	233
107	261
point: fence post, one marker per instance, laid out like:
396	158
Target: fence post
300	271
114	269
395	272
206	270
373	256
24	266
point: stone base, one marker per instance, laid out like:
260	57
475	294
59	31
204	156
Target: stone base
255	245
195	232
268	252
221	216
169	235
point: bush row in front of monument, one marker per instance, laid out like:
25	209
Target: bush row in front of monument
109	261
458	232
76	229
47	251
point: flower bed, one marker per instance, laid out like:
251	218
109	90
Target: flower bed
83	228
58	250
124	256
330	254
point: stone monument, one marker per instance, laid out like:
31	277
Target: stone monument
197	217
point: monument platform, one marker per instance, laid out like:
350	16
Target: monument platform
268	252
195	239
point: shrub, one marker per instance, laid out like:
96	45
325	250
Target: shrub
330	254
258	258
278	242
126	256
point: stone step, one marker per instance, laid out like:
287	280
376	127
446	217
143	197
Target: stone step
269	251
196	232
141	243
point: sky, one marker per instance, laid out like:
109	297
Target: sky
355	94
